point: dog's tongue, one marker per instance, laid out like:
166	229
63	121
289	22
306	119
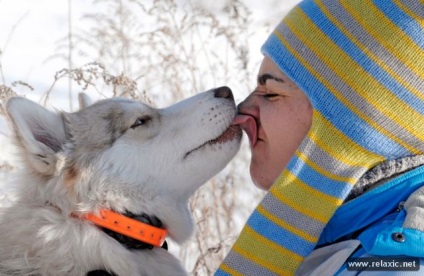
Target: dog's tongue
248	124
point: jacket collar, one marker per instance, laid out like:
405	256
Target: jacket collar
368	208
383	173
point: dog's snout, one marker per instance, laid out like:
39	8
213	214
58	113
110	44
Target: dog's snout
224	92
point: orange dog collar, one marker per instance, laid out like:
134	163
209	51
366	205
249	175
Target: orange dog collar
128	227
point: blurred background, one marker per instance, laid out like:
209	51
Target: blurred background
156	51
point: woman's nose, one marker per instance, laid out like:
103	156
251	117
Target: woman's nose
249	106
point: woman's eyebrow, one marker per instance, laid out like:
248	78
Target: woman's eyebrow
264	77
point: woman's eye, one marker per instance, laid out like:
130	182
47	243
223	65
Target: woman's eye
271	95
141	121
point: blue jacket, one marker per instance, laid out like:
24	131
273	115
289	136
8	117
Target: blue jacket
386	221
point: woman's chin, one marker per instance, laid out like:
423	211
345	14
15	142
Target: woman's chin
260	181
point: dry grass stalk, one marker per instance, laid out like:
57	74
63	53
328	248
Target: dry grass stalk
5	93
94	75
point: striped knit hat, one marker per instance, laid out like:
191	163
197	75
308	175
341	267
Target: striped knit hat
361	63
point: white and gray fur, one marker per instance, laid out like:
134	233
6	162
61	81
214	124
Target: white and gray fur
97	158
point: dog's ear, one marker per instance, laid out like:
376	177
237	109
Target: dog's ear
39	132
84	100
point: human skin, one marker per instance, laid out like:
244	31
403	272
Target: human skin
276	117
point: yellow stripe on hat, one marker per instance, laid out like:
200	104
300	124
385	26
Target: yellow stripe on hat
303	198
341	65
294	205
336	142
381	28
399	78
266	253
304	235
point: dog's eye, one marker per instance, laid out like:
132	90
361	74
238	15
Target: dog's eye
141	121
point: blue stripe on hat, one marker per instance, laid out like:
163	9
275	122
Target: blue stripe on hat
219	272
314	179
397	16
279	235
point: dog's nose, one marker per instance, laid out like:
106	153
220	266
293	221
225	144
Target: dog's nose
224	92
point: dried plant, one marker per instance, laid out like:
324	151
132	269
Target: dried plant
178	48
94	76
5	93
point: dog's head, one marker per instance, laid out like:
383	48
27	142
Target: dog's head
124	155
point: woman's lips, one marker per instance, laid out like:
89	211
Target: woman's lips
248	124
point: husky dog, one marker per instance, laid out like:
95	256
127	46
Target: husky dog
119	155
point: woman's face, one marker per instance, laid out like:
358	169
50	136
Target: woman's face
276	117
